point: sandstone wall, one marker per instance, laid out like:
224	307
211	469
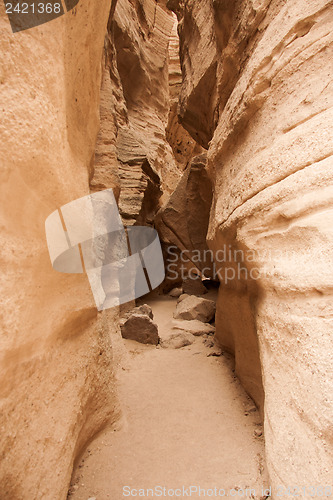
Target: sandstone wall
182	223
142	149
257	93
56	376
135	98
184	147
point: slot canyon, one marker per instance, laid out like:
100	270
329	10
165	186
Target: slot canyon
211	122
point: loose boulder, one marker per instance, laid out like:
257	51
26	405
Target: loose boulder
176	292
195	308
144	310
182	297
141	328
195	327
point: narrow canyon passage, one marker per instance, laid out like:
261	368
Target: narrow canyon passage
186	422
207	126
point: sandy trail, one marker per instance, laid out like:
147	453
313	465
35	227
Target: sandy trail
185	423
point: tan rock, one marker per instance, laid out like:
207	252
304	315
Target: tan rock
255	92
194	286
269	106
184	147
139	137
143	310
142	57
56	357
183	221
176	293
182	297
195	308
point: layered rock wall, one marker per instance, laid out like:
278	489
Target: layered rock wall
257	93
135	157
142	149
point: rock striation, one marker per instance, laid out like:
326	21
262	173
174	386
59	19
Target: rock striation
132	151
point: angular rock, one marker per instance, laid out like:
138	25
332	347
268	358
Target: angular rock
195	327
145	310
182	297
141	328
177	340
195	308
176	292
194	286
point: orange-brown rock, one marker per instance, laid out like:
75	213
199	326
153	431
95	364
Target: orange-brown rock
256	93
56	358
184	147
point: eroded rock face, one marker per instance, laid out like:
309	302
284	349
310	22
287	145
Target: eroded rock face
184	147
142	149
198	44
268	115
256	93
56	372
135	155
